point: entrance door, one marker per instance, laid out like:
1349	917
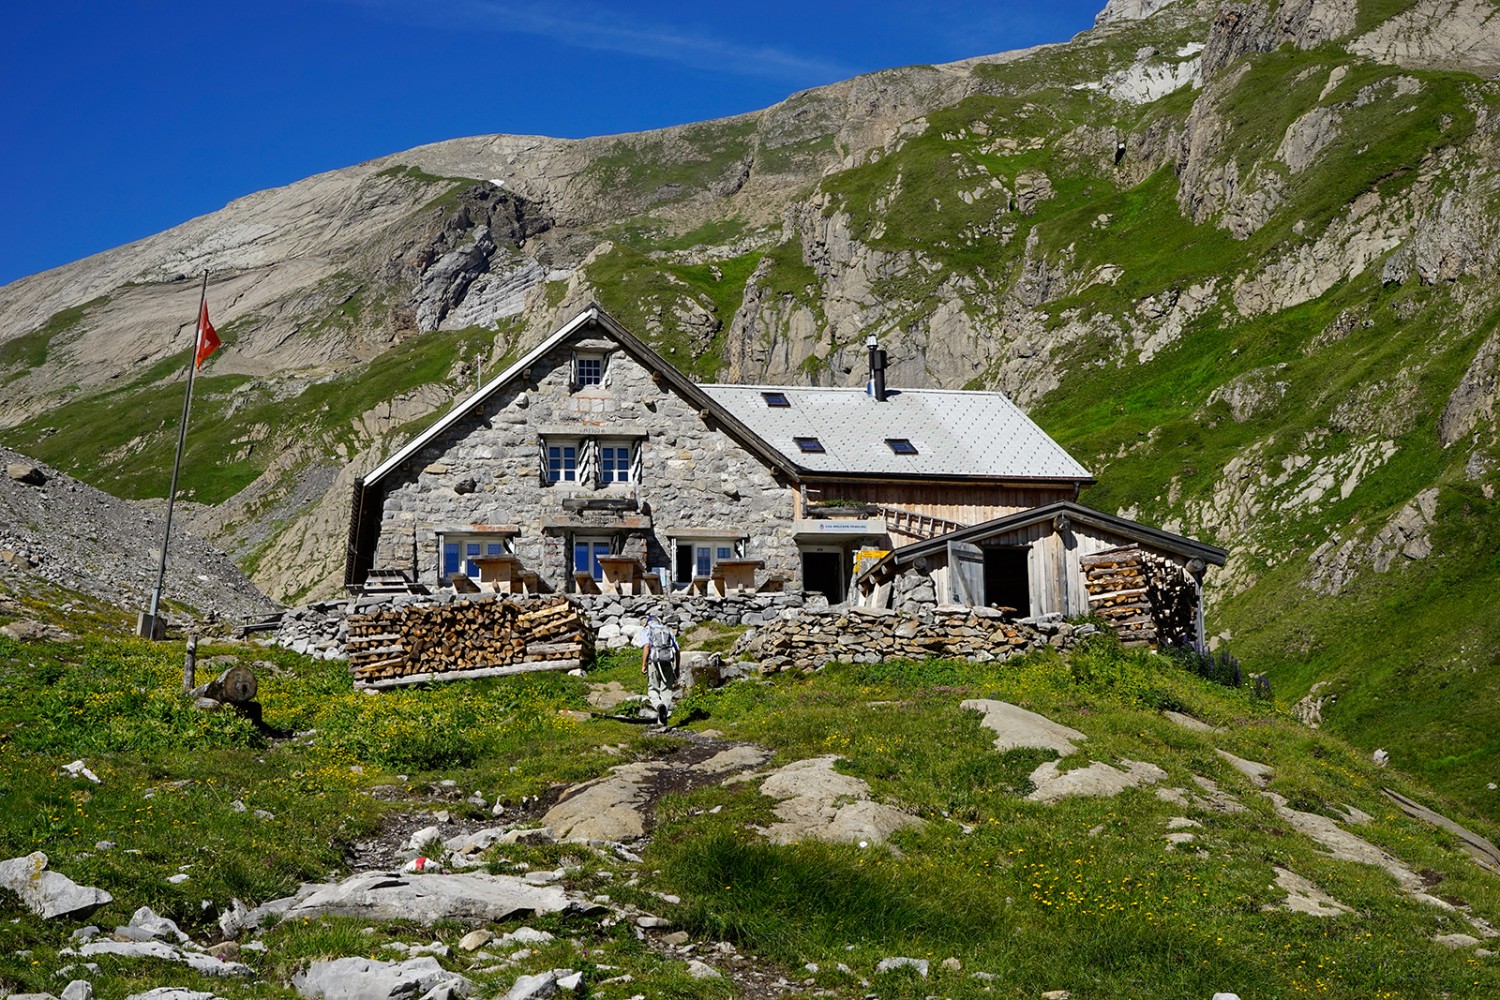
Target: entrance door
823	572
1006	581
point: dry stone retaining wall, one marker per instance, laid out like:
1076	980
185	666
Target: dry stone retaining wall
321	630
808	639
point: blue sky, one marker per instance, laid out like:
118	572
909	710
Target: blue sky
121	118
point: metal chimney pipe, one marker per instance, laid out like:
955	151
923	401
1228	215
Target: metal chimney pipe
877	369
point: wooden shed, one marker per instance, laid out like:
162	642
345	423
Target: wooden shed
1061	558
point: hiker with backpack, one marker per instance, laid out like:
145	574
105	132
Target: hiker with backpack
660	660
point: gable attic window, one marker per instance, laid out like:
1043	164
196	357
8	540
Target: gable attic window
901	446
811	446
775	399
588	369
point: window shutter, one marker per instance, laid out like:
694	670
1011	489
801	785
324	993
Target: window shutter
572	370
588	462
541	448
636	448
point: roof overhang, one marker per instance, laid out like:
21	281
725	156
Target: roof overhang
1157	538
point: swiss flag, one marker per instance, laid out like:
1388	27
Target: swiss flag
208	339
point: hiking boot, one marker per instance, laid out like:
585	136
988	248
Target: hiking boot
662	712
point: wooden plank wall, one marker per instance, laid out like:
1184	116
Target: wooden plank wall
1054	573
964	504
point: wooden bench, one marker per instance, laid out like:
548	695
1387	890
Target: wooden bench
622	575
735	576
501	574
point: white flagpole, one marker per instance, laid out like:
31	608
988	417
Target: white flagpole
150	628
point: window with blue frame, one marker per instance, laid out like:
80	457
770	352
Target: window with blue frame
459	553
588	369
698	558
614	463
586	553
562	463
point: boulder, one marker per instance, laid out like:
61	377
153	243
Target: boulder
469	897
23	472
47	893
368	979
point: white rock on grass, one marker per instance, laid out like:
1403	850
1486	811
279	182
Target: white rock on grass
819	803
78	989
1456	940
702	970
887	964
472	896
1015	728
146	925
367	979
173	993
1095	780
78	769
47	893
537	987
196	960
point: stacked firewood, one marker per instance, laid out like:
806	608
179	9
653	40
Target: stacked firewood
1119	592
478	638
1147	598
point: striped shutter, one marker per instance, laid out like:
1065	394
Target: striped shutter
588	462
541	447
636	448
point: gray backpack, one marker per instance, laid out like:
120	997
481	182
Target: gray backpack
663	647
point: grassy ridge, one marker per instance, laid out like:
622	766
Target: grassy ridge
122	440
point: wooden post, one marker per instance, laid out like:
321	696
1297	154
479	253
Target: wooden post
190	664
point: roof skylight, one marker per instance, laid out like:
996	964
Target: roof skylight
810	445
775	399
901	446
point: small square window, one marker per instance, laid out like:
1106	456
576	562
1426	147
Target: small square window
775	399
901	446
588	370
811	446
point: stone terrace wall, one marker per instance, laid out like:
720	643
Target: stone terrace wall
809	638
320	630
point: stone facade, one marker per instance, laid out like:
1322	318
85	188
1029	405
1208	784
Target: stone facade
485	477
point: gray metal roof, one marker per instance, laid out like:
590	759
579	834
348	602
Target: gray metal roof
955	433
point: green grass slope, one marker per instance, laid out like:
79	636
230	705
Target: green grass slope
1083	894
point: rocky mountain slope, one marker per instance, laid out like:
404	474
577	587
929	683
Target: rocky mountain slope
1237	257
59	536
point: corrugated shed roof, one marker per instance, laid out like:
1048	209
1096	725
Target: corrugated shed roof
954	433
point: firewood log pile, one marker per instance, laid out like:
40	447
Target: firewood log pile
491	637
1148	599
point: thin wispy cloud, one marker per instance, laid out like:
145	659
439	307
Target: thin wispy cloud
602	28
